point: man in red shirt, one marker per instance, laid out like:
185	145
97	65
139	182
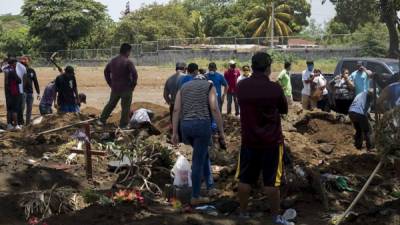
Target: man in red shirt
262	102
231	76
121	76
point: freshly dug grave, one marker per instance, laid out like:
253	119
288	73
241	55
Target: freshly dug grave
318	142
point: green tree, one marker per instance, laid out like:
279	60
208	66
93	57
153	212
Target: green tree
337	28
59	23
198	24
101	36
15	41
355	13
301	11
11	22
155	21
263	21
359	12
372	39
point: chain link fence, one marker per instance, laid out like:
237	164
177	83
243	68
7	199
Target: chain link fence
169	51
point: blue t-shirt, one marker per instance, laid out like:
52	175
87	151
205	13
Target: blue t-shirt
390	96
360	80
360	104
218	81
184	79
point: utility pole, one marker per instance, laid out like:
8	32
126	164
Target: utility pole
272	23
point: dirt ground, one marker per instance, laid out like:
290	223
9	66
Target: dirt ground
317	143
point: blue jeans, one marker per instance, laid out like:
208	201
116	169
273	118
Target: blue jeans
232	98
197	133
45	109
29	102
69	108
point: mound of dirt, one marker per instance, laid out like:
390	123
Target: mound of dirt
161	118
91	111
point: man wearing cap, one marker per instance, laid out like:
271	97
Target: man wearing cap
262	102
67	91
360	78
307	78
231	76
29	81
121	76
171	86
218	80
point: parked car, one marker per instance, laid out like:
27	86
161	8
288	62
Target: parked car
386	72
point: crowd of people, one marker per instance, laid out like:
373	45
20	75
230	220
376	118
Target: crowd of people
196	98
20	82
349	94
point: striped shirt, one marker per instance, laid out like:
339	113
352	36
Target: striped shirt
195	102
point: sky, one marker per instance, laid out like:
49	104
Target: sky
321	13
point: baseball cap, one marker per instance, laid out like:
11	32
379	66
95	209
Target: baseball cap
232	62
310	62
82	98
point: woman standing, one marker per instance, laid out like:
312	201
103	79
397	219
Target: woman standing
343	90
196	105
319	94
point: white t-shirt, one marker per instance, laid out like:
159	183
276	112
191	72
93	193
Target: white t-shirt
241	77
21	71
306	87
320	81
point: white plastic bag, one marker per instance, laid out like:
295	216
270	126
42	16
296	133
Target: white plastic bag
140	116
182	172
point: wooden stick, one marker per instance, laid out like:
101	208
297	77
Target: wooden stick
5	114
342	217
88	153
66	127
94	152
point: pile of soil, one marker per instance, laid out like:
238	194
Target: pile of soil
317	142
161	118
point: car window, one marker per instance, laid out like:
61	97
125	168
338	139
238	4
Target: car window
350	65
394	67
377	68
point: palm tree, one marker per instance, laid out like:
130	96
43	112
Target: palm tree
263	21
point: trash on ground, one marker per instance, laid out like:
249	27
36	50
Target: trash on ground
181	172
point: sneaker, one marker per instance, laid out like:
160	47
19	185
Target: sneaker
18	127
279	220
99	123
10	127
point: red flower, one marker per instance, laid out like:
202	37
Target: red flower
139	197
33	221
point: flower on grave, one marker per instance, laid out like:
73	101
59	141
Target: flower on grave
33	221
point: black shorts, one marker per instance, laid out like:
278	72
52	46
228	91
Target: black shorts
14	103
269	161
